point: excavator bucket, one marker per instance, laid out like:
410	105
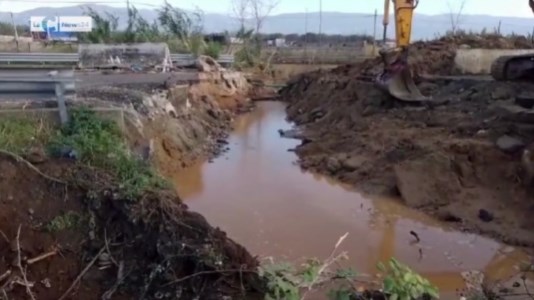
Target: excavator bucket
397	80
401	86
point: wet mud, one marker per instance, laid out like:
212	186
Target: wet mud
459	160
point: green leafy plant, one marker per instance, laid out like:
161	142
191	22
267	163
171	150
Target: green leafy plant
282	283
401	283
213	49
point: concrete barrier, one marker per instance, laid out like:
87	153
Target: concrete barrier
478	61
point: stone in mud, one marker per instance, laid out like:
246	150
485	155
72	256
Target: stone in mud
509	144
485	215
292	134
352	163
427	182
333	164
445	214
36	155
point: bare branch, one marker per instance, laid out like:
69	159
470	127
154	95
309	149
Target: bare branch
261	9
455	17
241	10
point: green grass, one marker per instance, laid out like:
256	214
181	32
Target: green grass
17	135
96	142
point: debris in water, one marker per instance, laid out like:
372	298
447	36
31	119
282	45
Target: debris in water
415	235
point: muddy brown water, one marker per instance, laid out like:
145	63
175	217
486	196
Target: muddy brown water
263	200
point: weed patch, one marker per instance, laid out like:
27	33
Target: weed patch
99	143
64	221
17	135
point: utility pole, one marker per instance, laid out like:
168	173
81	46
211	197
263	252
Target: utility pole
374	31
320	21
385	21
306	35
15	31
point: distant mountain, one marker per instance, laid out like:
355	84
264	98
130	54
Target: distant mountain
425	26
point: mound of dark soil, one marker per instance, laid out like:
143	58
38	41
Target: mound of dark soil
436	57
147	248
440	158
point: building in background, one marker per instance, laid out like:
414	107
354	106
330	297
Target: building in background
62	28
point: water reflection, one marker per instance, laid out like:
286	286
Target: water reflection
265	202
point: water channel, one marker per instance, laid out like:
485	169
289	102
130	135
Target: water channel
263	200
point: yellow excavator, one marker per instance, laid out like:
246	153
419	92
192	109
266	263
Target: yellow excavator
396	77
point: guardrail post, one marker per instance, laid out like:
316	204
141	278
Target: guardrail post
60	94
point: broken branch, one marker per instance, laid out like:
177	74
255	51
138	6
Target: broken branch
22	271
41	257
5	275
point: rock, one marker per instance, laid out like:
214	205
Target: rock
36	155
447	216
332	164
509	144
485	215
170	110
500	93
352	163
292	134
482	133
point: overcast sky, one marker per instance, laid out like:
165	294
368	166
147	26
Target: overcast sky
517	8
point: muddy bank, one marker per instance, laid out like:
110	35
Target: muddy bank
149	242
178	123
79	235
459	160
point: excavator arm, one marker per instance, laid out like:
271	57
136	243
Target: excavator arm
396	77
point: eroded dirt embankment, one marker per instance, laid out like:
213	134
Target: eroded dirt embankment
442	159
66	219
133	247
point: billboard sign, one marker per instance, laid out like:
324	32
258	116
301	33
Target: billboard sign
61	28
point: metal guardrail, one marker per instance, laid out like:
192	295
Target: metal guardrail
73	58
18	58
57	82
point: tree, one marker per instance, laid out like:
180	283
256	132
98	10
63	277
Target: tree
188	28
103	27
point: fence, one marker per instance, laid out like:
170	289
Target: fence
33	81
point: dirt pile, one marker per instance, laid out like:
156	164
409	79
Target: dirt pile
436	57
150	248
444	159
